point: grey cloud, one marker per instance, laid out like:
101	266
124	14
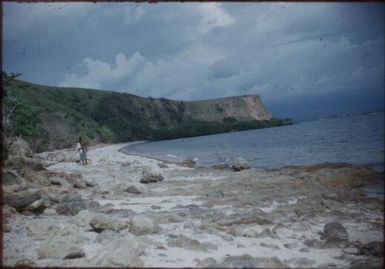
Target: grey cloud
197	51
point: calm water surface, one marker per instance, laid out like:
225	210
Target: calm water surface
356	139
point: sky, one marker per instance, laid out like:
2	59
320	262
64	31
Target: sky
301	58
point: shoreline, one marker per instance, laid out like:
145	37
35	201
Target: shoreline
99	214
379	167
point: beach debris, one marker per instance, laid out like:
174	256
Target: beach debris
240	164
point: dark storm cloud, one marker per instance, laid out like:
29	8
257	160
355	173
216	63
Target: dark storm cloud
200	50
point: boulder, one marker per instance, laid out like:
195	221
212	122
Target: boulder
71	197
140	225
8	211
206	263
300	262
19	147
374	248
162	165
120	252
76	180
185	242
137	188
189	163
59	249
101	222
240	164
92	204
50	212
148	177
7	228
11	177
247	261
22	199
37	206
334	233
70	208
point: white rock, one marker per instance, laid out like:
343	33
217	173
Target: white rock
141	225
138	188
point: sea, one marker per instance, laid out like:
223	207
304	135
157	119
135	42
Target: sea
355	139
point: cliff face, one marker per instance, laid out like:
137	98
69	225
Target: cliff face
52	117
240	108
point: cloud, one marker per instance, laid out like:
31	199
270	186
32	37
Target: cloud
212	15
31	19
202	50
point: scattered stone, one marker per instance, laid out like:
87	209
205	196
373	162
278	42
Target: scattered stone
137	188
11	177
37	206
25	263
184	242
71	208
121	252
22	199
189	163
50	212
162	165
265	233
374	248
7	228
290	245
92	204
367	263
72	197
59	249
8	211
222	166
272	246
148	177
206	263
334	233
240	164
141	225
102	222
351	250
331	196
246	261
215	194
299	262
19	147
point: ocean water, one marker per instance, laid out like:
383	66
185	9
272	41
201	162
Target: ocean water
355	139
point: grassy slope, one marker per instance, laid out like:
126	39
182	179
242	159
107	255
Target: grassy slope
52	117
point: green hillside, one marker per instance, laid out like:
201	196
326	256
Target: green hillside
53	117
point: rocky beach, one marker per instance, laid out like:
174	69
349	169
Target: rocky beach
122	210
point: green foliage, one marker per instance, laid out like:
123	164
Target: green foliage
51	118
198	128
26	121
219	108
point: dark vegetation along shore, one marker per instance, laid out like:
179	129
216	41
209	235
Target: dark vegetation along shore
53	117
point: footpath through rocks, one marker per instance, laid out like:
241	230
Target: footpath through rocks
129	211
